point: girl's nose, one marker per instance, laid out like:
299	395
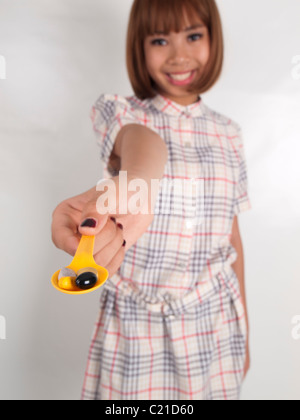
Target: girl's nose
179	56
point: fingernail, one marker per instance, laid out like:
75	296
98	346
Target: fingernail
90	223
120	226
124	243
113	219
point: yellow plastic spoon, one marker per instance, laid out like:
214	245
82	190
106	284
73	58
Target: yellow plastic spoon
83	259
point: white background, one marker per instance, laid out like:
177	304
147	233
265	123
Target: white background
60	56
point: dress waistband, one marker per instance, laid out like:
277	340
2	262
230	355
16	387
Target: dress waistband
169	307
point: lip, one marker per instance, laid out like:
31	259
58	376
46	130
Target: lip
181	82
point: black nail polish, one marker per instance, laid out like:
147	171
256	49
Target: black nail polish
124	243
120	226
90	223
113	219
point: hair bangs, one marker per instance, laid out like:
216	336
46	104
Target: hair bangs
165	16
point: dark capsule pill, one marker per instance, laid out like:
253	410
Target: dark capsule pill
86	280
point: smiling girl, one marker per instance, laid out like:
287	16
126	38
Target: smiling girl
173	321
175	60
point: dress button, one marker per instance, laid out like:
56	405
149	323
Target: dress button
188	144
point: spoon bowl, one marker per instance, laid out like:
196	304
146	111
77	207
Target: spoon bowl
83	259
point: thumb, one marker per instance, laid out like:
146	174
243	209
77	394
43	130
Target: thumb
91	221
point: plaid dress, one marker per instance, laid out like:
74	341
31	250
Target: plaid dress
171	323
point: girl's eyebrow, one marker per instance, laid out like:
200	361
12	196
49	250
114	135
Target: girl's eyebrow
197	26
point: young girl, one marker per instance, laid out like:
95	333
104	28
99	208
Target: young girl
173	320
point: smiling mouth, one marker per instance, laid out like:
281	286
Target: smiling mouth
180	76
181	79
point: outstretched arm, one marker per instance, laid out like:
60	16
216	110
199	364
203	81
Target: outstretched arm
142	152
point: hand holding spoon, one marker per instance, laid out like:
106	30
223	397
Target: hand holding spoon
83	275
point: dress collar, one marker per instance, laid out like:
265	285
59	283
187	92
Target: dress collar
172	108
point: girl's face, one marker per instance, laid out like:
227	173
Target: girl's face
175	60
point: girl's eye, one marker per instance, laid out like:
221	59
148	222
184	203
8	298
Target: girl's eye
159	42
195	37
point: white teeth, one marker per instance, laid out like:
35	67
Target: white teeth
181	77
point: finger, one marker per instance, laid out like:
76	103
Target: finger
66	240
64	232
114	265
91	221
104	257
102	205
106	236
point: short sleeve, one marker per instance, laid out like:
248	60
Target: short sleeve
242	200
109	114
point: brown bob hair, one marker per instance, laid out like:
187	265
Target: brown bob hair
148	17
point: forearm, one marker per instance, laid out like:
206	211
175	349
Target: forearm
142	152
239	268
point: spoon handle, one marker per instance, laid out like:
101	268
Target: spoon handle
85	247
